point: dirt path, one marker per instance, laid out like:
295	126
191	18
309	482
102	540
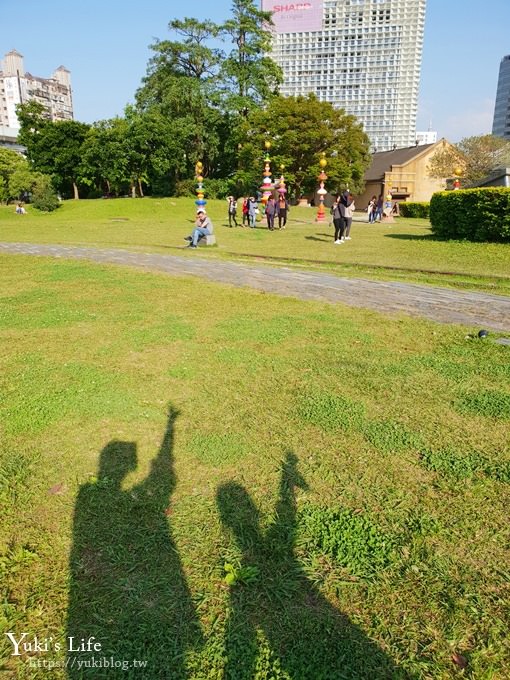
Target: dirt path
444	305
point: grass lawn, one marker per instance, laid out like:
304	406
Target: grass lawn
406	250
223	483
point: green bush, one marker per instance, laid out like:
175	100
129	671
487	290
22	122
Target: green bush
472	214
415	210
44	197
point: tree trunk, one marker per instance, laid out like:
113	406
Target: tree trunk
140	190
133	190
75	190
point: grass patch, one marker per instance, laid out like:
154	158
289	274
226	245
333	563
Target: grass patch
487	403
351	539
456	466
331	412
148	438
218	448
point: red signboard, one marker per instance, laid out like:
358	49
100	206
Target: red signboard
295	17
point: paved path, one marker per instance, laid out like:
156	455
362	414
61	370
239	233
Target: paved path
439	304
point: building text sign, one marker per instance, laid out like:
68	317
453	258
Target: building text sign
294	17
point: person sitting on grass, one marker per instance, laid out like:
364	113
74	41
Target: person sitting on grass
203	227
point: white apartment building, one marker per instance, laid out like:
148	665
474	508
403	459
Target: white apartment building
361	55
18	87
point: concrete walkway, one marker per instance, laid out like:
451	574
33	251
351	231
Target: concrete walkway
479	310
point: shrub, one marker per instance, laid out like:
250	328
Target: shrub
415	210
44	197
472	214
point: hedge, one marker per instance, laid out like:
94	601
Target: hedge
472	214
414	209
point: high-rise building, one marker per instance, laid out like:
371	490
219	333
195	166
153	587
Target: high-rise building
18	87
501	123
361	55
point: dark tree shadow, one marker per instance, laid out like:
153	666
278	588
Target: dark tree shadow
127	586
415	237
324	240
310	638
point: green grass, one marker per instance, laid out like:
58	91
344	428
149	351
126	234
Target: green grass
405	250
353	470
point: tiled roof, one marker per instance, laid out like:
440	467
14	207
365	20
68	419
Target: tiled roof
383	160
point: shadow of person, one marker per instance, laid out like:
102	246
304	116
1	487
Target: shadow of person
309	638
127	586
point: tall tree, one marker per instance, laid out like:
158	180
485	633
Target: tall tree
249	75
300	129
180	86
54	148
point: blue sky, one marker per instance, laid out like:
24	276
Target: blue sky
105	45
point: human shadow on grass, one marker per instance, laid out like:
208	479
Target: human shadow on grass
127	585
309	639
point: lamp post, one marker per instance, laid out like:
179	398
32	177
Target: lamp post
321	215
200	202
267	183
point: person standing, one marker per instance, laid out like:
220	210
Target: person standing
245	212
379	209
232	211
371	209
338	221
252	211
270	212
203	227
282	210
348	210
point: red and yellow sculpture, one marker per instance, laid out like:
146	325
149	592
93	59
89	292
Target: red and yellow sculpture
321	191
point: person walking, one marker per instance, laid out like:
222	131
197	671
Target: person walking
203	227
270	212
282	210
338	221
232	211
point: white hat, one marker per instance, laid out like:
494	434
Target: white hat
201	210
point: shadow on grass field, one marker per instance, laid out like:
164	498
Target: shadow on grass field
127	586
307	637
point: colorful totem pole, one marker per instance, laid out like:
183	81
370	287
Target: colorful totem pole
200	202
267	184
321	215
282	189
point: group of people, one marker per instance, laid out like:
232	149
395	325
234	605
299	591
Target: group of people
277	207
342	211
274	208
250	211
377	207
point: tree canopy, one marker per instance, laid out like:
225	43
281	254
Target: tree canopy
473	157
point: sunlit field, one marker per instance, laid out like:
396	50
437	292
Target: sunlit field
221	483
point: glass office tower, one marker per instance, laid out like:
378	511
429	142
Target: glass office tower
361	55
501	123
